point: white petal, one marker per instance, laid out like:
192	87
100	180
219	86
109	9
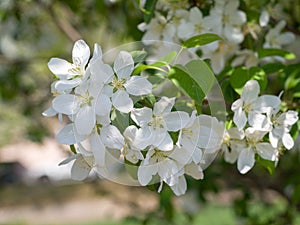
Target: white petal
80	169
49	112
250	92
122	102
194	171
141	116
80	53
145	173
163	141
123	65
167	171
231	156
266	151
63	85
98	150
101	73
264	102
273	139
69	136
66	103
138	85
60	67
163	106
97	53
176	120
85	120
144	138
112	137
264	18
240	119
287	141
237	104
291	117
130	133
103	105
246	160
67	160
180	187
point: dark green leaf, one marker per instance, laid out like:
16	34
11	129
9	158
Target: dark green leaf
267	52
149	10
269	165
73	149
241	75
200	40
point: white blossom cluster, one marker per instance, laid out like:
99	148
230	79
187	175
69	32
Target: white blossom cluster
162	143
87	92
260	128
224	19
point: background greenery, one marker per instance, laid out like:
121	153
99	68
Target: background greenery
33	31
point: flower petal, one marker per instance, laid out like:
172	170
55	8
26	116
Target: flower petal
246	160
163	106
138	85
85	120
101	73
81	53
63	85
69	136
163	141
251	91
145	173
122	102
66	103
60	68
141	116
240	118
80	169
123	65
98	150
287	141
266	151
103	105
264	102
176	120
112	137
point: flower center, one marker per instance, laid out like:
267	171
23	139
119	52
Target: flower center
157	122
118	83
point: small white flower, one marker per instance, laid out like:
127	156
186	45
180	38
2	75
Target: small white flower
276	39
156	123
246	158
250	106
245	57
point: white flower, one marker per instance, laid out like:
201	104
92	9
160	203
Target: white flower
129	150
226	20
280	128
246	158
157	29
72	74
219	52
195	24
233	140
250	106
82	166
156	123
264	18
245	57
83	107
276	39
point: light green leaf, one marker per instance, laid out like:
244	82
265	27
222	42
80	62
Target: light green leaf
200	40
195	79
266	52
138	56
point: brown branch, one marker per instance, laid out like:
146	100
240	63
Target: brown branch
62	23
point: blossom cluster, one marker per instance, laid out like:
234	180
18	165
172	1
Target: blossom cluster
261	128
226	19
162	143
88	92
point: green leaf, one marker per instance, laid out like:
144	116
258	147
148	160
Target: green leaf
195	79
200	40
138	56
270	68
241	75
266	52
269	165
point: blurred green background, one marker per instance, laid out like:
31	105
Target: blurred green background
33	31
